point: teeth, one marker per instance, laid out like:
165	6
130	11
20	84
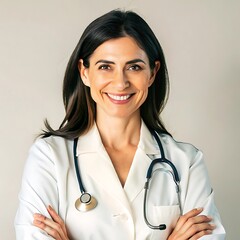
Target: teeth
119	98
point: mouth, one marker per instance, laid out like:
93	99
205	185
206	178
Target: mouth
119	97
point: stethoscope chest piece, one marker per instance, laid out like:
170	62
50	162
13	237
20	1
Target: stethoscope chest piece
85	203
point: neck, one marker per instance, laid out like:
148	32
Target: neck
117	133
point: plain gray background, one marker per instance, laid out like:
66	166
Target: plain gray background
201	41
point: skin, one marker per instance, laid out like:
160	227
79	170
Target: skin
55	227
119	77
119	69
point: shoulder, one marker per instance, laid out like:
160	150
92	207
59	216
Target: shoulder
186	152
53	143
52	149
178	145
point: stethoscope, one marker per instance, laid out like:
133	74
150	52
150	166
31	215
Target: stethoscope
87	202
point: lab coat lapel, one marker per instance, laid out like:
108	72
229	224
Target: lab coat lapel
147	149
137	175
99	167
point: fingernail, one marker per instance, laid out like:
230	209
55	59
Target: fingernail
199	209
213	226
50	208
37	215
36	221
209	217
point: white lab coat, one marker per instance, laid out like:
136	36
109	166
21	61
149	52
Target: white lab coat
49	179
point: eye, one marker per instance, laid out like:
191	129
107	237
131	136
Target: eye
135	67
104	67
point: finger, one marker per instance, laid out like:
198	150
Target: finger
197	230
46	229
195	221
183	219
200	234
57	218
54	215
51	227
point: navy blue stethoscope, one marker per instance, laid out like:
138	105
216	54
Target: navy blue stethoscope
87	202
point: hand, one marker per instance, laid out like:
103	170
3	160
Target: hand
192	226
55	227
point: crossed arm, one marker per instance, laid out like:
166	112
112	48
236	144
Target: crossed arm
191	225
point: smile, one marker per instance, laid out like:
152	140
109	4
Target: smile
119	97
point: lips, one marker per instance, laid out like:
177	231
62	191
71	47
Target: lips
119	97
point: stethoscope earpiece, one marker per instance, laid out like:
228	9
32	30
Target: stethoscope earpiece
85	203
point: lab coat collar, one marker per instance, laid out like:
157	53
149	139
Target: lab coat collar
98	166
103	171
147	148
91	142
147	142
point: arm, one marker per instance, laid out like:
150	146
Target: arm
55	226
197	192
192	226
39	189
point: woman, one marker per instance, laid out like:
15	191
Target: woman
115	87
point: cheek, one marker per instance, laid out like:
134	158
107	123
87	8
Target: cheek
142	81
96	88
97	81
143	85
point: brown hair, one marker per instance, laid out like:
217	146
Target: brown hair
79	105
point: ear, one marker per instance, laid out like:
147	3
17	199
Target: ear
154	72
83	71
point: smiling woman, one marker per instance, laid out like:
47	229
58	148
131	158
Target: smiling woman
111	26
115	87
119	76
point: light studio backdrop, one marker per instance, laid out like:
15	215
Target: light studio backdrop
200	39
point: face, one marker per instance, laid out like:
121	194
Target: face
119	76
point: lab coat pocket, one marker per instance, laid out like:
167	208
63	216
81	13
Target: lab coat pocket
167	215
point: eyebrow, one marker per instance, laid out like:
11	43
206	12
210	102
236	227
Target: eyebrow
129	62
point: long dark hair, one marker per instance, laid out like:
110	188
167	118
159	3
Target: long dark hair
79	105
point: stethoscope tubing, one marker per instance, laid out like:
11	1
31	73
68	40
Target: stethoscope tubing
81	187
174	174
81	206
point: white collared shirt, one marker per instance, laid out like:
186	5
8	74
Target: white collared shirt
50	179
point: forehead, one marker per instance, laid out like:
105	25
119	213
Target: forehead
119	49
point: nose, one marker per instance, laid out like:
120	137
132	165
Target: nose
120	80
